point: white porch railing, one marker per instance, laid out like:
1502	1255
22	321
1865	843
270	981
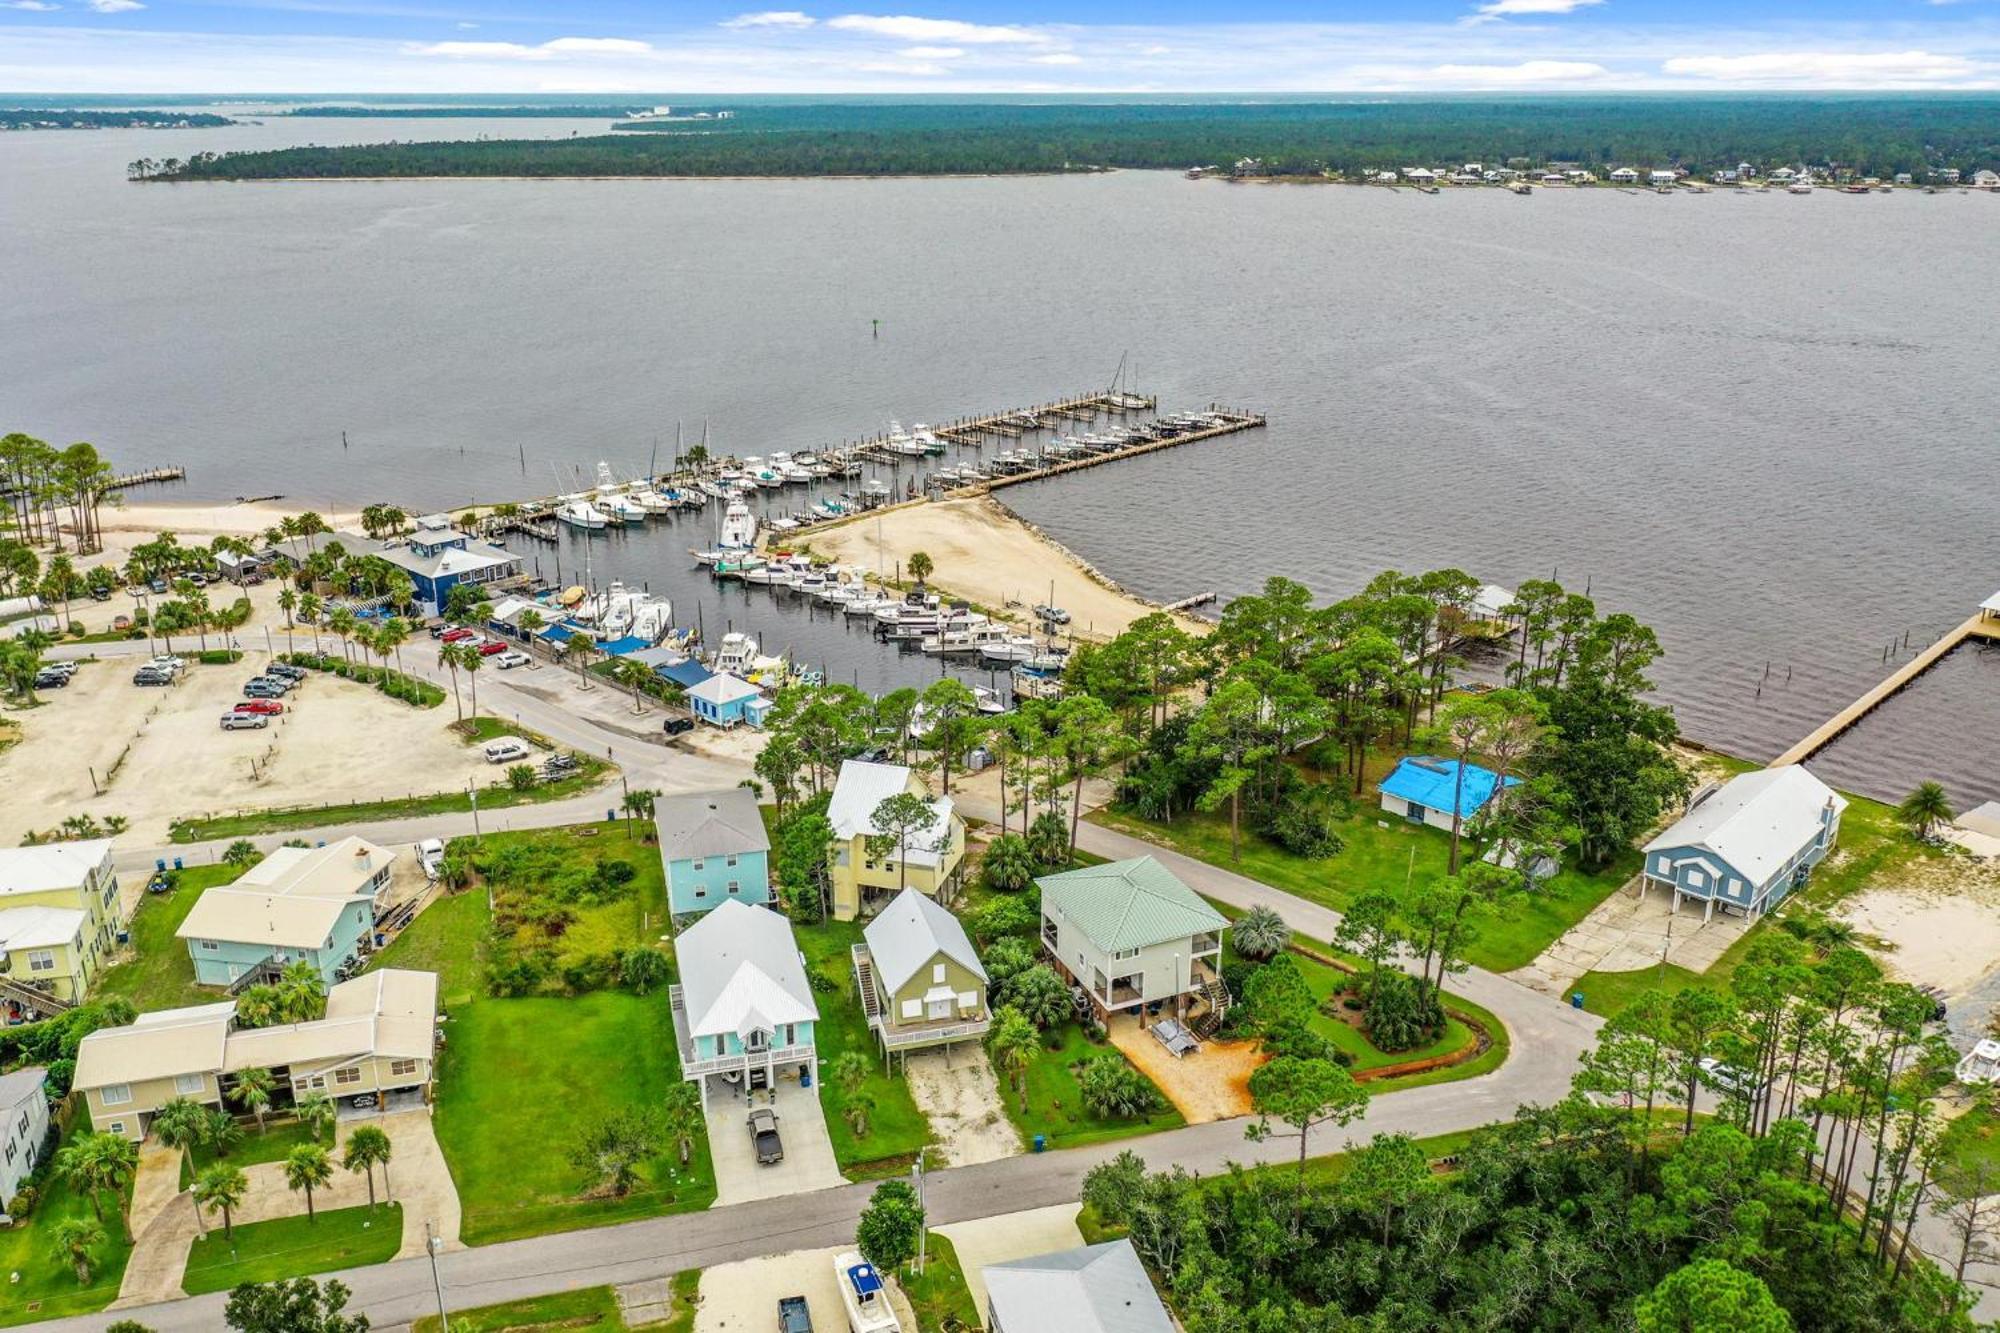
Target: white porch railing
694	1066
919	1036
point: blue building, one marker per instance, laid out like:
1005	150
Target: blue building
743	1009
725	700
316	905
1424	789
1746	844
438	557
714	848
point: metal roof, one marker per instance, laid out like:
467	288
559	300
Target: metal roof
39	927
1756	821
1095	1289
1129	904
292	899
740	970
723	689
911	931
60	865
21	1084
1433	783
862	786
710	823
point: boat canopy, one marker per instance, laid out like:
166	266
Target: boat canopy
865	1280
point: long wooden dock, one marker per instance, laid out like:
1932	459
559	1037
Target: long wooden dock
1233	420
1015	421
1981	624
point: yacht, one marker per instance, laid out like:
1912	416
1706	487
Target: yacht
735	653
739	526
1009	648
624	508
582	514
965	638
900	441
712	488
1800	185
866	604
795	472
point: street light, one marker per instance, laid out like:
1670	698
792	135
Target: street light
432	1244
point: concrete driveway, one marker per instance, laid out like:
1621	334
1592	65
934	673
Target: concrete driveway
808	1164
418	1179
1626	933
995	1240
743	1297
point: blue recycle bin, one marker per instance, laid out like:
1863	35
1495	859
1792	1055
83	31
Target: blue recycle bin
1041	1142
1576	999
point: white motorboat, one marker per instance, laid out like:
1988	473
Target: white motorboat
763	575
1803	185
989	701
970	637
739	526
735	653
864	1296
582	514
624	508
900	441
713	489
651	500
1009	648
1981	1064
866	605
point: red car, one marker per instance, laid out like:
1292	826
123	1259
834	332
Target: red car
455	635
490	647
268	706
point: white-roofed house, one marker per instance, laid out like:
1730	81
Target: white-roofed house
60	917
310	904
24	1126
920	979
1746	844
743	1007
1989	611
1095	1289
724	700
1623	175
861	876
377	1039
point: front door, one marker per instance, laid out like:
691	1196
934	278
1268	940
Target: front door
939	1008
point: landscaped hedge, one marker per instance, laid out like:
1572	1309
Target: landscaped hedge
395	684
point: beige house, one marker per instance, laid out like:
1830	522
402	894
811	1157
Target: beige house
377	1040
1136	939
59	922
920	980
862	878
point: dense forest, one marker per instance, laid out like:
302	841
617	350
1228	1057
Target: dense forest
1873	135
53	118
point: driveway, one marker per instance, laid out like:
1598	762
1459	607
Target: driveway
743	1297
996	1240
1627	934
417	1179
808	1164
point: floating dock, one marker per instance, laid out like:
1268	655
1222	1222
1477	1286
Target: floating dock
1983	624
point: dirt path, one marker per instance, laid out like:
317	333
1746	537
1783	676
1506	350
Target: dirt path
957	1091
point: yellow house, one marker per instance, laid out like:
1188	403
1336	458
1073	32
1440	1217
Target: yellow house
863	878
59	922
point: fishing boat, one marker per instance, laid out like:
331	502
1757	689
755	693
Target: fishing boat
866	605
739	526
1009	648
624	509
712	488
735	653
864	1295
1802	185
900	441
582	514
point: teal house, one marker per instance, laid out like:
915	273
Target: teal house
743	1010
714	849
315	905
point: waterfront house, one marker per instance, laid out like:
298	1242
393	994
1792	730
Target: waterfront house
314	905
1424	790
725	700
377	1040
714	848
60	919
1624	176
743	1008
1135	938
1989	612
1946	175
1662	177
920	979
1782	176
1744	171
1985	179
1745	844
686	673
24	1127
1099	1288
1904	178
1420	175
863	878
438	558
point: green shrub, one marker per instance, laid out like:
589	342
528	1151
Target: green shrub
1404	1014
1112	1089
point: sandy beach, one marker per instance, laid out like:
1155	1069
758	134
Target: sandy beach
1940	923
984	554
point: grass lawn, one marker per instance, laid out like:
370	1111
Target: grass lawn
519	1078
252	823
940	1292
1972	1143
48	1286
270	1146
293	1247
1324	981
591	1310
897	1130
448	938
1384	852
636	916
1055	1103
161	975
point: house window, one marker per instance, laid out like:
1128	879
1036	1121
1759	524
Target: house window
10	1153
22	1128
731	863
735	887
348	1075
116	1127
937	974
188	1085
115	1094
1697	880
41	960
210	945
697	864
700	892
791	1034
1124	954
402	1068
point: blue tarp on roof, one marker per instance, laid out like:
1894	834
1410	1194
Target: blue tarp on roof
620	647
1431	783
557	633
686	674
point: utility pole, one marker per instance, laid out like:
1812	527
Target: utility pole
923	1223
432	1245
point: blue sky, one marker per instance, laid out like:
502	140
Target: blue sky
621	46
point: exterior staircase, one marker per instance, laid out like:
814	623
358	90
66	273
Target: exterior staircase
264	968
43	1002
1211	1018
864	980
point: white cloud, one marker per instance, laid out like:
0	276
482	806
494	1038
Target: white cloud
1156	50
115	6
891	67
1058	58
1827	69
909	28
1527	74
1495	10
931	52
771	18
33	6
467	27
551	50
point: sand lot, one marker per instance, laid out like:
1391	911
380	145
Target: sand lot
959	1095
1941	926
743	1297
1212	1083
336	742
984	554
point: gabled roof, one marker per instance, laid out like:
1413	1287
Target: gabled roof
292	899
1433	784
1129	904
156	1045
710	823
910	932
740	969
20	1085
862	786
1095	1289
723	689
686	674
58	865
1756	821
39	927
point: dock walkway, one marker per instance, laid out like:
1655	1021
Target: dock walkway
1233	420
1979	625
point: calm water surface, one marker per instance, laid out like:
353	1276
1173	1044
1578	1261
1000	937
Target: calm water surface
1761	424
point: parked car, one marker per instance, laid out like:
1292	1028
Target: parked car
278	683
265	707
65	669
235	721
151	675
1054	615
490	647
505	750
794	1315
676	726
458	634
430	855
260	688
286	671
513	657
764	1133
437	631
51	680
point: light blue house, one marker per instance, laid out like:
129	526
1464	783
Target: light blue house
714	848
1423	790
743	1009
299	904
724	700
1748	843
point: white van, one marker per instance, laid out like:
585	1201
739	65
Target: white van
505	750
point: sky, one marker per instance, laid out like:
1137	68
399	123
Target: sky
975	46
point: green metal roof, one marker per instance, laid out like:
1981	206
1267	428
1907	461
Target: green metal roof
1129	904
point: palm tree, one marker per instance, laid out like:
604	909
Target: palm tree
395	630
219	1130
301	993
343	623
99	1164
685	1119
288	601
471	666
310	607
257	1007
450	655
316	1112
308	1167
253	1093
220	1189
531	623
72	1242
581	645
1926	808
242	854
180	1124
369	1147
1012	1045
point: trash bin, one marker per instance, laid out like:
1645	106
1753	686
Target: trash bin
1041	1142
160	864
805	1076
380	939
610	816
1576	999
177	863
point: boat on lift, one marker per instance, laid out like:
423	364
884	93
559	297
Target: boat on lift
739	527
